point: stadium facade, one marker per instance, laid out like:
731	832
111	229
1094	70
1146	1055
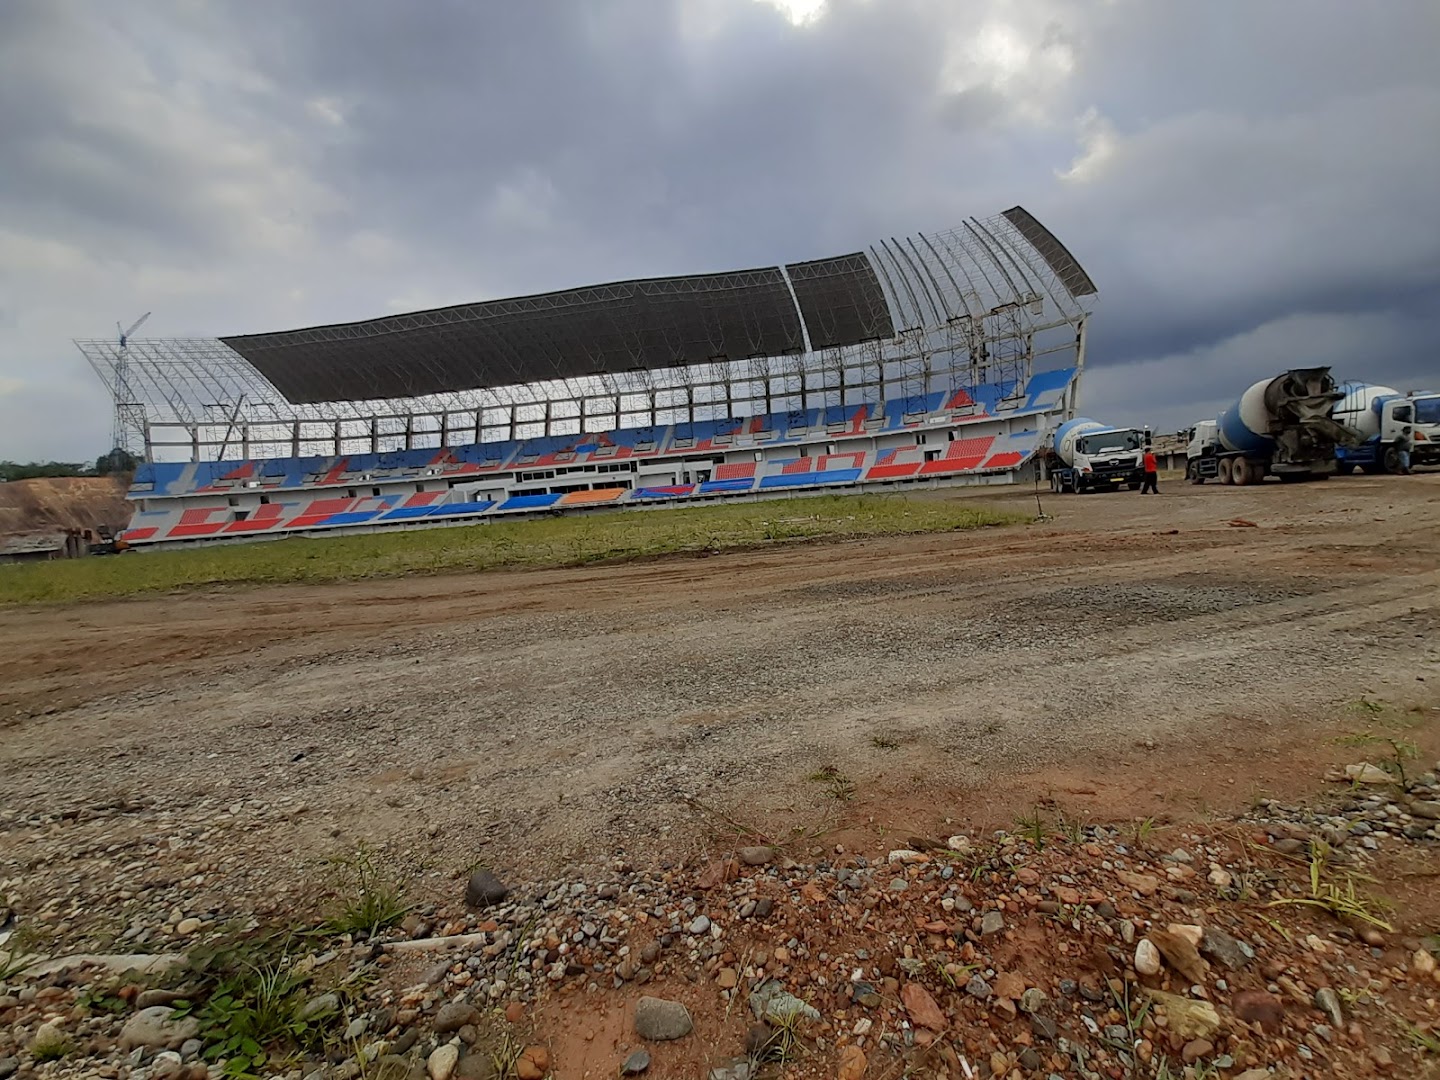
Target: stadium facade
940	358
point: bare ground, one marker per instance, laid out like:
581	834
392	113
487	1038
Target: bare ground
1131	656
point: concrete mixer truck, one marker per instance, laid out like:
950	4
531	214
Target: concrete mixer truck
1380	418
1086	455
1279	427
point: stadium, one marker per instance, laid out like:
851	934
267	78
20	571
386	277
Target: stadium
936	359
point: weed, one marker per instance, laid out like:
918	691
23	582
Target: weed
837	785
784	1043
1143	829
1424	1041
1401	751
101	1001
1134	1011
884	742
1343	902
372	901
1072	829
504	1055
1033	829
250	1002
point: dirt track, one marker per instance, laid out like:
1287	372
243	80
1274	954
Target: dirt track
1131	656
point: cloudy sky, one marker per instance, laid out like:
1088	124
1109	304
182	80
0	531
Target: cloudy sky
1251	184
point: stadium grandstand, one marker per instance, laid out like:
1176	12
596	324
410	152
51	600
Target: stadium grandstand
940	358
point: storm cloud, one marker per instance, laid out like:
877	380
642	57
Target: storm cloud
1250	185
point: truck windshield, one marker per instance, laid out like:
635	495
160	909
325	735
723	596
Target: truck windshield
1109	441
1427	410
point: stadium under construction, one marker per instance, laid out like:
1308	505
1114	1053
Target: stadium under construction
940	358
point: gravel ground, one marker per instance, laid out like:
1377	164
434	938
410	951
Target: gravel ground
210	751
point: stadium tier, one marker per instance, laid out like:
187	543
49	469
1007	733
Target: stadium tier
987	432
823	375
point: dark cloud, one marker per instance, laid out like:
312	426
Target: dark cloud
1248	184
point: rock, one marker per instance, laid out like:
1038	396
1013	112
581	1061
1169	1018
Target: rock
852	1063
978	988
153	1029
1026	876
737	1069
1147	957
190	1049
1191	933
757	1040
1009	986
1289	846
317	1007
1328	1002
167	1065
533	1063
636	1063
992	923
50	1040
1259	1007
1181	855
1220	878
756	856
356	1028
906	856
514	1012
770	1001
922	1008
1189	1018
1067	895
1033	1000
1365	773
1425	808
763	907
1256	1074
650	952
1194	1050
727	978
472	1067
1220	946
186	927
660	1020
717	873
148	999
1144	884
8	1067
1423	963
440	1065
454	1015
700	925
484	889
959	843
1044	1027
1179	954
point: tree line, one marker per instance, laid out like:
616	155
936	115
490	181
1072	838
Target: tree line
116	462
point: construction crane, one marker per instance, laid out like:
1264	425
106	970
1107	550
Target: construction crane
123	403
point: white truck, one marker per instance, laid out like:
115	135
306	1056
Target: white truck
1279	427
1086	455
1380	418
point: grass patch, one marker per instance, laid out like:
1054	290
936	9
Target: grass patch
836	784
539	542
370	899
1344	902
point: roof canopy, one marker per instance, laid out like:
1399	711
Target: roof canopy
602	329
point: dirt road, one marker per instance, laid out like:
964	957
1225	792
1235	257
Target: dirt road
1128	656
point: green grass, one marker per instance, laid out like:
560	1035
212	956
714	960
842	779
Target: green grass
540	542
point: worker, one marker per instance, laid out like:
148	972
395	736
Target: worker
1152	473
1402	451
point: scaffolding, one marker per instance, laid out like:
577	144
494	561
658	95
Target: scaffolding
989	302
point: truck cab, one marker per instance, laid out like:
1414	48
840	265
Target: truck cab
1090	457
1425	438
1201	452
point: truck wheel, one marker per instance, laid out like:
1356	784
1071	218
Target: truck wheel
1075	488
1192	473
1344	468
1226	465
1392	460
1240	472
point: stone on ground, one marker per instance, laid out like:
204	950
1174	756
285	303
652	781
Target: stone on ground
660	1020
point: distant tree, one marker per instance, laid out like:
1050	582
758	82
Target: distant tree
14	470
116	461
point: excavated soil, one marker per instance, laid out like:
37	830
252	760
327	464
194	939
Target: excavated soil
58	503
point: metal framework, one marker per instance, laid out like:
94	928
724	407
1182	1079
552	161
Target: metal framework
989	301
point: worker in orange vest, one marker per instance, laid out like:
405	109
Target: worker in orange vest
1152	473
